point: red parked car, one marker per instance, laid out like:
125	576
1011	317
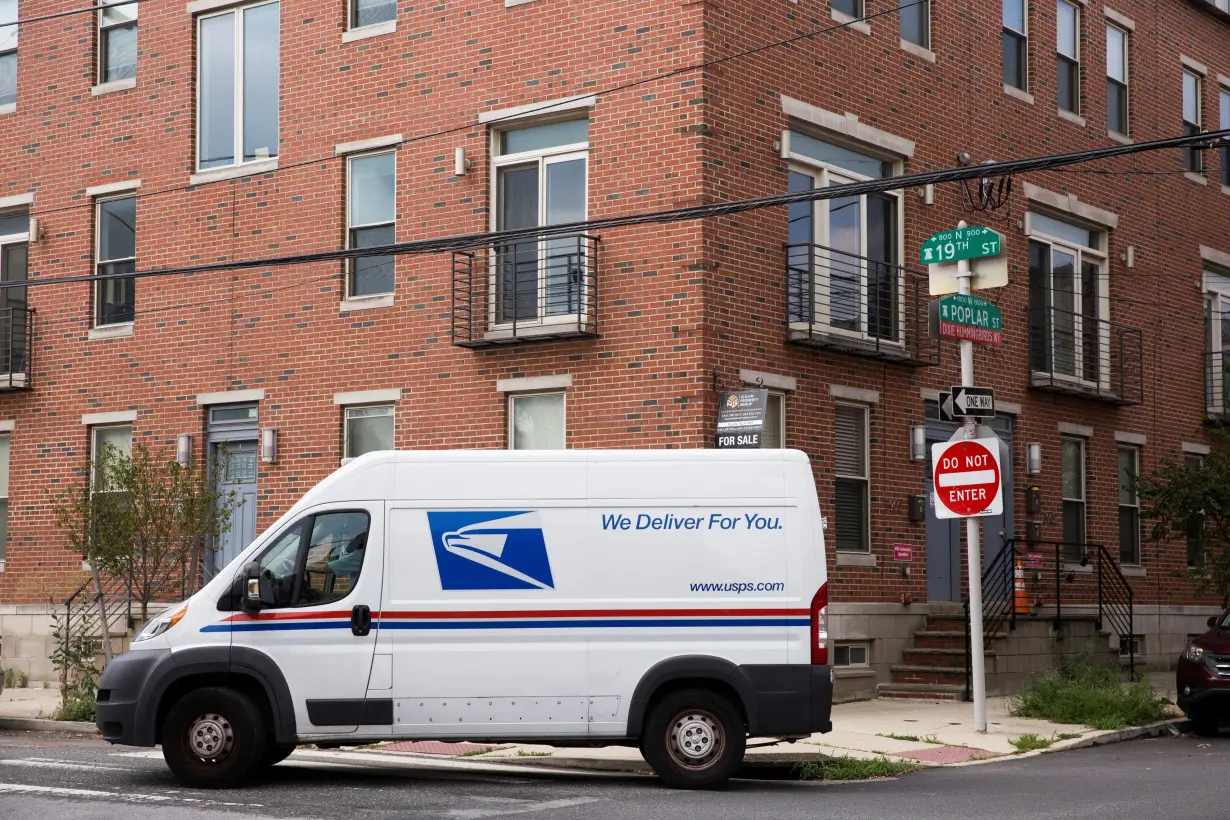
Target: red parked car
1203	677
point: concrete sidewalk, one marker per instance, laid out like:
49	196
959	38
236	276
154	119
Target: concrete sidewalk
28	703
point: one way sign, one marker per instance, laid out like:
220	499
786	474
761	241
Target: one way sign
973	402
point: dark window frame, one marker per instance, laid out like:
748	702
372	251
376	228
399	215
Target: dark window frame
1069	64
307	524
1119	88
105	27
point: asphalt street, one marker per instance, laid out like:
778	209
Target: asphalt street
80	778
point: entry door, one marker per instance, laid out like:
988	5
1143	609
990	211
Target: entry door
946	537
320	580
236	465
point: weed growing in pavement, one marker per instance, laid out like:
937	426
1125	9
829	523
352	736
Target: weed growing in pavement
78	707
851	768
474	752
932	739
524	753
910	738
1081	692
15	679
1029	742
1067	736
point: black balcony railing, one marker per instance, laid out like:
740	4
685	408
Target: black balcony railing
531	289
1217	385
840	301
1082	355
16	345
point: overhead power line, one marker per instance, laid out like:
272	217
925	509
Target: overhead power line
466	242
522	112
26	20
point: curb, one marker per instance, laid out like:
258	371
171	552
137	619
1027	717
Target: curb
45	725
1131	733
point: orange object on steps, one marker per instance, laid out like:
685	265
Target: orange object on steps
1020	598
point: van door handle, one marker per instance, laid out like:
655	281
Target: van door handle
360	620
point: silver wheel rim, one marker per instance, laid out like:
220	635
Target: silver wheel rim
211	737
695	739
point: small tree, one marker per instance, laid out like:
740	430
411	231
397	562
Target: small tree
1187	503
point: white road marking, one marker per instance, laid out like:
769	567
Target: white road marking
528	808
43	763
58	791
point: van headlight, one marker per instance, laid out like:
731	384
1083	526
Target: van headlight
162	623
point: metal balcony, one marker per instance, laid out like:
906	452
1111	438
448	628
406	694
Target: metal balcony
1217	386
1079	355
16	348
530	290
843	302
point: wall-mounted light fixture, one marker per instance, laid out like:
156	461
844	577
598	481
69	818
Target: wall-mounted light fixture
36	230
1033	457
183	449
460	163
269	445
918	442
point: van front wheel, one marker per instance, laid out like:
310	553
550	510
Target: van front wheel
694	739
214	738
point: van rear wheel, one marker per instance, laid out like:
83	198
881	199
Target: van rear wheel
214	738
694	739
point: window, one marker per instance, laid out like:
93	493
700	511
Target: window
1067	56
1117	80
774	434
115	299
1068	302
536	421
237	80
1193	160
1131	645
1015	44
368	429
117	42
850	8
1129	506
118	439
1195	524
847	248
540	179
915	22
850	507
372	214
317	561
370	12
1217	344
852	654
8	52
5	442
14	239
1224	125
1073	457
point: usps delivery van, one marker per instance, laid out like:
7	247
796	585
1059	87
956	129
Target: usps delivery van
673	599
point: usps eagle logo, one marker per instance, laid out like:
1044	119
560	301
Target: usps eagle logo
490	550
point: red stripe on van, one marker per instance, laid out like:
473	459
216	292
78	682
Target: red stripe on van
513	613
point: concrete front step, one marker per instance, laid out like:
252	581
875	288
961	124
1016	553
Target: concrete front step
946	624
912	673
914	691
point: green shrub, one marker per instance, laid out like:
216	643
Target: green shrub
1084	693
79	707
852	768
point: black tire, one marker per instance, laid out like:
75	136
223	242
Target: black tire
708	724
214	738
1206	724
275	753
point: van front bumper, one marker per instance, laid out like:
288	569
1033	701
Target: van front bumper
122	712
789	699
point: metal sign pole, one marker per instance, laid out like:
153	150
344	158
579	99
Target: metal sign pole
972	534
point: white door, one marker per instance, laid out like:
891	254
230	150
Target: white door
321	580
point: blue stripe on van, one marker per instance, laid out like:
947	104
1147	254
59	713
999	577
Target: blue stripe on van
574	624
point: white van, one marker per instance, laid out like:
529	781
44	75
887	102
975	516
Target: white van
672	599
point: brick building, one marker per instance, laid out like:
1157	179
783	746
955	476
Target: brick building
156	135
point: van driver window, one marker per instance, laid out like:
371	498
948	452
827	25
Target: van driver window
328	571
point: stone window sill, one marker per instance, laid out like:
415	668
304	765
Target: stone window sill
856	559
855	672
1070	117
234	171
384	300
1075	567
1133	572
117	331
1013	91
1199	179
374	30
116	85
852	23
917	50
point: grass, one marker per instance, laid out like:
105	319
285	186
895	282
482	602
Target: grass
15	679
1083	693
1067	736
475	752
524	753
932	739
1030	742
78	708
852	768
910	738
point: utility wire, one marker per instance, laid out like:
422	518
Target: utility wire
522	113
26	20
471	242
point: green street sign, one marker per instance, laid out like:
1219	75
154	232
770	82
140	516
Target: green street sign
968	318
961	243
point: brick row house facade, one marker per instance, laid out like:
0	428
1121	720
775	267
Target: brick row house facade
157	135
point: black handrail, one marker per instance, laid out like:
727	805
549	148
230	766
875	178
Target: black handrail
1116	604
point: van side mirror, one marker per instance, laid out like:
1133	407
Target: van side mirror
252	587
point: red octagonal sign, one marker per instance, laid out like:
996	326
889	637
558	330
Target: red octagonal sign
966	478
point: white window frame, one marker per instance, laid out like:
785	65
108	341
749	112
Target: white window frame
390	406
103	28
1119	505
99	262
8	435
824	175
1024	35
511	422
1083	444
7	107
238	34
866	479
1223	103
1217	305
1079	253
352	18
781	414
1076	46
1127	79
94	431
848	645
544	158
1198	156
350	160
